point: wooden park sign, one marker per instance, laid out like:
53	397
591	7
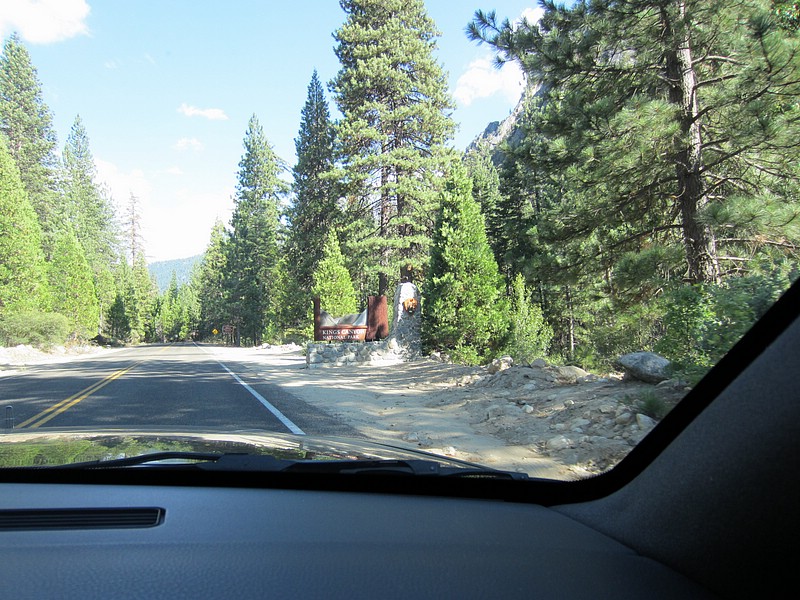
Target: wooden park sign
355	329
344	333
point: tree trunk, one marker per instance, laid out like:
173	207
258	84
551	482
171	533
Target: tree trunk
385	212
699	243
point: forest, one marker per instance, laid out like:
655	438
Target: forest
647	199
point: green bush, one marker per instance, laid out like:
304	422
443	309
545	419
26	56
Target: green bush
463	310
617	332
529	337
42	330
703	322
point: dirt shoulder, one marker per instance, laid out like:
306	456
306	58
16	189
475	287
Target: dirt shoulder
547	421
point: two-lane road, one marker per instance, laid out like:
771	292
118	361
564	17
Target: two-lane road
169	387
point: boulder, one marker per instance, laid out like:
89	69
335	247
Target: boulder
570	374
645	366
500	364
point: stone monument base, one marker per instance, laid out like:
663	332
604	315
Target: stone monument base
404	341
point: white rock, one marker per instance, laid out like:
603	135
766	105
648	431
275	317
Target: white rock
558	443
623	419
644	422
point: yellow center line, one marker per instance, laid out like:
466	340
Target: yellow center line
60	407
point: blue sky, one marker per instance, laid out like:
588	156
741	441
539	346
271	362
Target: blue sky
165	89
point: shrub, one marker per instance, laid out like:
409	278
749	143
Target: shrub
42	330
529	337
463	310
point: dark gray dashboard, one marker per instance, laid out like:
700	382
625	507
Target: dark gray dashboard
244	543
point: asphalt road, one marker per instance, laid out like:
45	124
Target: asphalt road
166	386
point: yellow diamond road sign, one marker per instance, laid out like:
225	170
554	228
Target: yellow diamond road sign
214	331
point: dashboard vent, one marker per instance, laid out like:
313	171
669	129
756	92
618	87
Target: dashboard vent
80	518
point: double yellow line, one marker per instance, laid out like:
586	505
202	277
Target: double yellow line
58	408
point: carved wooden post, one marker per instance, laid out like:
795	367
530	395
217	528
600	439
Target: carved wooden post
317	322
377	318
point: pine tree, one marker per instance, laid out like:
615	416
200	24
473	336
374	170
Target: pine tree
529	335
211	280
314	211
27	126
23	280
89	211
463	308
393	95
140	297
672	123
132	230
254	240
118	325
72	285
486	190
332	283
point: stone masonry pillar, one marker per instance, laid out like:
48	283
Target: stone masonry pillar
407	321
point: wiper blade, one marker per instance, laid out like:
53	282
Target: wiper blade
142	459
269	464
414	467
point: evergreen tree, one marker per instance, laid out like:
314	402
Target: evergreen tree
393	95
253	248
118	325
486	190
27	126
529	335
463	308
132	230
23	280
666	118
72	285
332	283
140	300
211	280
314	211
89	211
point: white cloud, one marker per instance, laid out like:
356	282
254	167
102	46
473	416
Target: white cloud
531	14
482	80
189	144
177	171
122	184
44	21
111	64
214	114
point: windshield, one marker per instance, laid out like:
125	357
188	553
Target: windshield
509	235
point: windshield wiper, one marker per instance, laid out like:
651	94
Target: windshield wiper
269	464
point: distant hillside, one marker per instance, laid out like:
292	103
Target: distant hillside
162	270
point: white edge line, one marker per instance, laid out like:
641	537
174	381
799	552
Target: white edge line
278	414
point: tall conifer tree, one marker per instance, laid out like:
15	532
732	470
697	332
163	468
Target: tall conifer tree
23	280
255	231
89	211
665	117
211	280
72	284
27	126
393	95
314	211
